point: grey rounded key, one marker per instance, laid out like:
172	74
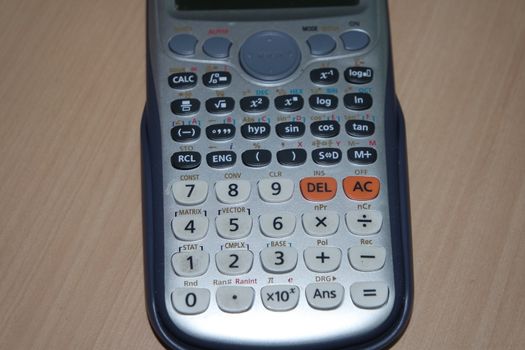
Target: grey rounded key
321	44
235	299
217	47
270	55
355	40
183	44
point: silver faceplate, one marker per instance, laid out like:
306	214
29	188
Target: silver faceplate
303	326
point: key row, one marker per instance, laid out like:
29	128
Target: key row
356	101
276	225
320	296
187	160
278	260
222	79
261	130
278	190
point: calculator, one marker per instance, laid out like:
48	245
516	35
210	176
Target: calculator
275	184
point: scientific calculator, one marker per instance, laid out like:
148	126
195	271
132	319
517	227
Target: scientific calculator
275	185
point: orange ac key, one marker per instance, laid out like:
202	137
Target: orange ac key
361	188
318	189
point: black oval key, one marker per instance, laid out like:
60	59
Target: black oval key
185	106
325	128
182	80
185	133
255	131
291	157
289	130
220	132
289	103
327	156
185	160
256	158
359	75
254	104
358	101
220	105
359	128
362	155
323	102
221	159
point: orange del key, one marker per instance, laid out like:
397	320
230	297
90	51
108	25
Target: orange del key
361	188
318	189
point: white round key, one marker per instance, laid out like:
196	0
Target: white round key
235	299
364	258
364	222
322	259
190	264
232	191
190	227
190	301
369	295
234	262
324	296
275	190
279	259
277	225
233	226
190	192
280	297
321	223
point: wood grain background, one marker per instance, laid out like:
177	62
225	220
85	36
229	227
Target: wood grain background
72	89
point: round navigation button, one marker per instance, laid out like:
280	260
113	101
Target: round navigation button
270	55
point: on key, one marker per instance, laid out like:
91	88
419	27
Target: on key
256	158
185	160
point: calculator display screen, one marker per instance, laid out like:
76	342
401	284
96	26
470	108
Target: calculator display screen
192	5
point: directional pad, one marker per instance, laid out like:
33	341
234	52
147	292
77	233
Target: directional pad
270	55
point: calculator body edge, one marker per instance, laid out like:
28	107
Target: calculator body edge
154	222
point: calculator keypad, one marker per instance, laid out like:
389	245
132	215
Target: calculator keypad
241	133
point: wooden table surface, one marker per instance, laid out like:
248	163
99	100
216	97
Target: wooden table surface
72	89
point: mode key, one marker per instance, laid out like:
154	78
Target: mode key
185	160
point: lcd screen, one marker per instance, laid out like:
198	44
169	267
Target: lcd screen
196	5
